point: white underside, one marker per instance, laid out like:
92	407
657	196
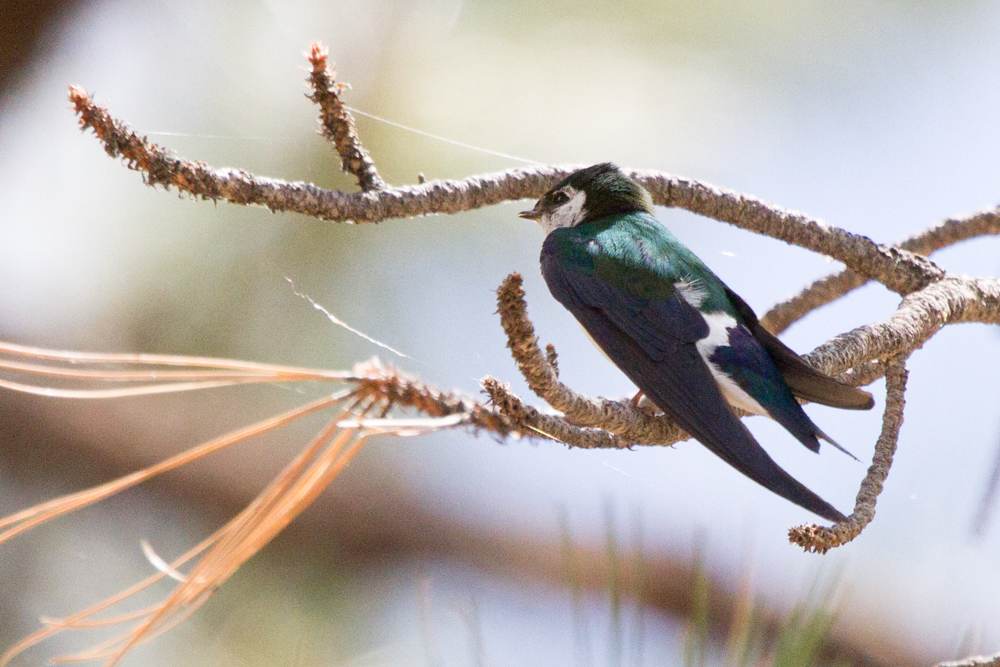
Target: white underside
718	324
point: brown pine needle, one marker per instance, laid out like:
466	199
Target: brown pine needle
365	406
27	519
62	624
74	357
126	376
290	493
124	392
302	480
54	626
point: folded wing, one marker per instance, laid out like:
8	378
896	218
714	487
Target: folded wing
653	343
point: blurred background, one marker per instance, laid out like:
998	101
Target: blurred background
877	116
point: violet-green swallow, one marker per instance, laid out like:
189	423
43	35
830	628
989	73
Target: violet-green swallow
690	344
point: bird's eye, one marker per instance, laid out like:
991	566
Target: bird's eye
560	198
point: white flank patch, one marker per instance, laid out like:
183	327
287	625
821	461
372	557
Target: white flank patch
692	290
718	334
569	214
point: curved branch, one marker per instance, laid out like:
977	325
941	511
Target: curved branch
823	291
821	539
832	287
633	425
526	419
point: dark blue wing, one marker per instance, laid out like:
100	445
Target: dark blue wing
653	343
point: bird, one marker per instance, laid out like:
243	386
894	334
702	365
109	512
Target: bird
688	342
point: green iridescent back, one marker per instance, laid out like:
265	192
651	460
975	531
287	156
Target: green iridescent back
637	254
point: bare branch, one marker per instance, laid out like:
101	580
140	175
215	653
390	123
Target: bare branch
161	167
954	230
337	122
825	290
821	538
832	287
899	270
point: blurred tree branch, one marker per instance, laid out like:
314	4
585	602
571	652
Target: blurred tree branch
974	661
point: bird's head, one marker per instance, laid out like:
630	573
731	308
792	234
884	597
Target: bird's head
589	194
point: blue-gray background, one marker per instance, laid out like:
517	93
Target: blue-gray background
879	117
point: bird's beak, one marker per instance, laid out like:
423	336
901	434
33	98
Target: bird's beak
533	214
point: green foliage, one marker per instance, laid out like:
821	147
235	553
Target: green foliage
754	639
696	639
804	631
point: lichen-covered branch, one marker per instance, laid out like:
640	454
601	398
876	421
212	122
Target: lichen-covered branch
821	539
161	167
821	292
337	123
830	288
899	270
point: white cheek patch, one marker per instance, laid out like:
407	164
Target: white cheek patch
569	214
718	334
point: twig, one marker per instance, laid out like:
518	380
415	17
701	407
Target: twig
526	419
821	538
375	382
337	122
